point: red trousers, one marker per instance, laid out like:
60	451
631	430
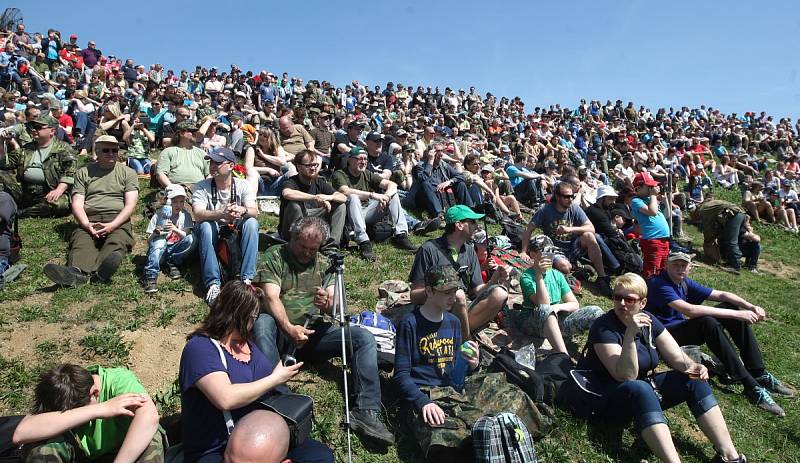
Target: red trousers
654	255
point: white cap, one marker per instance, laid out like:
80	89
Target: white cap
605	190
174	190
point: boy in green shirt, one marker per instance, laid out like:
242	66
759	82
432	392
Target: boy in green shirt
549	306
124	430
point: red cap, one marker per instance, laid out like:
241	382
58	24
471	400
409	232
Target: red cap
73	36
644	178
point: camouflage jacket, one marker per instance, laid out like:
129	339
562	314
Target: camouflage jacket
59	167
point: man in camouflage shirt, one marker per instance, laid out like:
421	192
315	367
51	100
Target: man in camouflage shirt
296	289
40	173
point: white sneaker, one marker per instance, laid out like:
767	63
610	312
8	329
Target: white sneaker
211	295
247	281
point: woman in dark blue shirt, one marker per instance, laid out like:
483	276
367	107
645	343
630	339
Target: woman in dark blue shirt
623	352
210	386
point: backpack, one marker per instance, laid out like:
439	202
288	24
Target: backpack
502	438
513	231
229	252
383	331
527	379
554	371
630	259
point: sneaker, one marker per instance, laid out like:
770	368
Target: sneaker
720	459
368	424
173	272
65	276
108	266
426	226
150	286
402	242
211	294
365	249
773	385
761	398
754	271
574	285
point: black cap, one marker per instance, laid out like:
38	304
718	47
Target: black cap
374	136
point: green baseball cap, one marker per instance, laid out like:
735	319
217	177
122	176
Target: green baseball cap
442	278
460	213
44	120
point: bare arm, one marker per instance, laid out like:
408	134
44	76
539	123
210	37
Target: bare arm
620	361
142	428
223	395
699	310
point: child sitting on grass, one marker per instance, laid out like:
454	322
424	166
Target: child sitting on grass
170	239
113	418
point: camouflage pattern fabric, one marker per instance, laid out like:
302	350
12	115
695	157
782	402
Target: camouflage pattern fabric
531	321
66	449
484	394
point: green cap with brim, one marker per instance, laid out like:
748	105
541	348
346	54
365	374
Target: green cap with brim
460	213
442	278
44	120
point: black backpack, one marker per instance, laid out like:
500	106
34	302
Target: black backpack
554	371
528	380
513	230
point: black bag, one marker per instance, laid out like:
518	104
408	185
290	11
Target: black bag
381	230
9	453
229	252
513	230
631	260
554	371
528	380
579	395
297	410
15	242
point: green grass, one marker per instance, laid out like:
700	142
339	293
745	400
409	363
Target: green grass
93	319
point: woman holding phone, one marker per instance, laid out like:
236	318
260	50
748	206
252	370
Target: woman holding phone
620	358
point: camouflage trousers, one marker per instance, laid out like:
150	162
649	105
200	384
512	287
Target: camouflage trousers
532	321
66	450
484	394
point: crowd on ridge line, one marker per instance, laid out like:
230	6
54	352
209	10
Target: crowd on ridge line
361	162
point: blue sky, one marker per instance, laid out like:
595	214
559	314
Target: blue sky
733	55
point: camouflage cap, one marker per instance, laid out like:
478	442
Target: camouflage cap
442	278
185	125
44	120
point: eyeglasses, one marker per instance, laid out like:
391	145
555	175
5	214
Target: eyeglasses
570	197
109	150
630	300
312	165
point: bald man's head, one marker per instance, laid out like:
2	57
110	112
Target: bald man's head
260	437
285	126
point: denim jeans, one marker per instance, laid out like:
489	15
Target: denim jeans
636	399
273	188
160	251
140	165
360	216
326	343
476	193
207	233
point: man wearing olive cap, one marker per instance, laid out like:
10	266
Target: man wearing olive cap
40	173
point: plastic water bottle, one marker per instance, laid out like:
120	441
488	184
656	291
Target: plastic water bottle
164	216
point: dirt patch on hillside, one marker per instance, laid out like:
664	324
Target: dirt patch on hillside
20	344
779	269
155	354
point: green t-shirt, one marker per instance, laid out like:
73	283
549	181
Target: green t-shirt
34	173
185	166
298	282
554	281
104	189
103	436
364	181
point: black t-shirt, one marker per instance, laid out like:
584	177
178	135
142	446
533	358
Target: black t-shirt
609	329
378	164
437	253
317	187
601	219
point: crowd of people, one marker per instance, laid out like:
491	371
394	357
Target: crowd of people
607	188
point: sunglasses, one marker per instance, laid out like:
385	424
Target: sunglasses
628	299
567	196
312	165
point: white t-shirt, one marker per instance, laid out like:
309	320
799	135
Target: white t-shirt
180	218
203	197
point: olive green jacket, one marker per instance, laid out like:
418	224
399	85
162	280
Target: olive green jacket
59	167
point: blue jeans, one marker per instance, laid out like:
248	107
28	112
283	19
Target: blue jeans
140	165
476	193
273	188
324	344
207	233
160	251
636	399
